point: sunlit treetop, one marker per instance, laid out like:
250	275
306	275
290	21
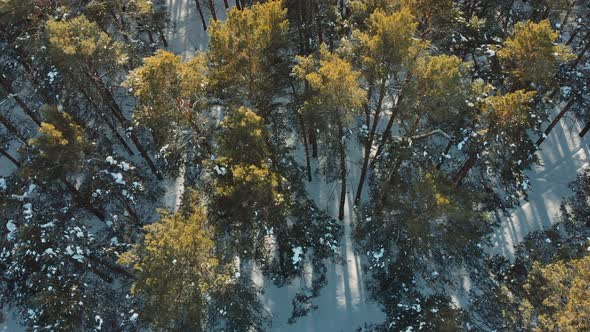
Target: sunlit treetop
333	80
510	110
388	42
531	54
60	146
80	41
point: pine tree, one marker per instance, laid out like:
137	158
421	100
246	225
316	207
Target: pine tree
246	56
386	51
336	95
172	98
531	55
82	51
248	189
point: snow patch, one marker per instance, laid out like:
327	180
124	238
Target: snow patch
297	255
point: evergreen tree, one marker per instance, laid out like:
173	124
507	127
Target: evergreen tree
531	55
85	53
246	56
336	95
171	97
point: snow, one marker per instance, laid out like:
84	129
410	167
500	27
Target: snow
3	184
297	252
52	75
220	170
378	254
134	317
563	154
118	177
344	297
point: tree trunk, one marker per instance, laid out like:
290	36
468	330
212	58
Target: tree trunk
557	118
581	55
150	36
226	4
112	266
163	38
585	130
109	124
304	135
386	133
464	170
442	159
118	113
238	5
83	201
201	15
369	142
313	141
9	157
13	129
342	154
212	9
6	85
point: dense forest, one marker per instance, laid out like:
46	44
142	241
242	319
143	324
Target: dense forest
141	189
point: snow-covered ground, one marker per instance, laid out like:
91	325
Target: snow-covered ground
563	154
343	302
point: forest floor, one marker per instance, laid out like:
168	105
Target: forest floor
343	304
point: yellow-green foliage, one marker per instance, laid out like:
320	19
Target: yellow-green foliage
437	86
559	293
388	42
438	76
334	83
243	49
254	184
168	91
78	41
176	268
531	55
60	146
509	110
243	139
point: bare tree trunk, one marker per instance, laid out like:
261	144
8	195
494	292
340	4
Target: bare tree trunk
110	125
212	9
12	129
581	55
464	170
553	123
226	4
369	142
442	159
313	141
342	154
200	10
9	157
83	201
163	38
118	113
238	5
585	130
386	133
6	85
304	135
150	36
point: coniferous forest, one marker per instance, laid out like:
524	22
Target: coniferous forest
294	165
